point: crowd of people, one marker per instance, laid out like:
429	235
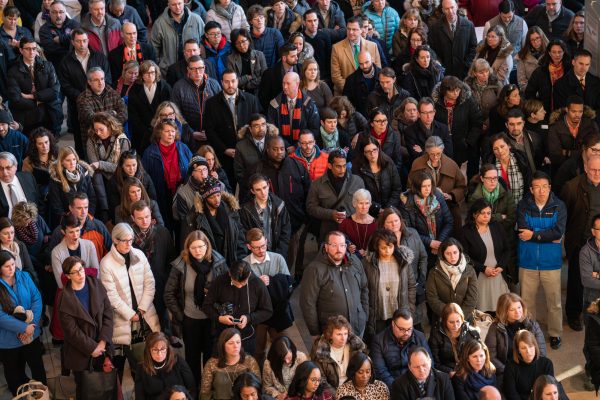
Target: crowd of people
441	177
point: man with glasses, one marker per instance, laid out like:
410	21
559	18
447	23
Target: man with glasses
265	39
190	95
178	69
541	222
73	81
426	126
334	283
552	17
171	30
574	166
251	145
391	347
216	46
15	186
310	155
272	269
55	35
582	198
131	49
422	380
330	197
34	91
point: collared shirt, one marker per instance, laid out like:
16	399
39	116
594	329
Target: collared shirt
83	60
272	265
18	190
254	260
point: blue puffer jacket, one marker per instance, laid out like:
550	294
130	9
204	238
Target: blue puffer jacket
389	359
385	24
269	43
24	294
548	225
153	164
218	56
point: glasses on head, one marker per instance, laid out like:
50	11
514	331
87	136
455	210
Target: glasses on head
162	350
131	152
77	271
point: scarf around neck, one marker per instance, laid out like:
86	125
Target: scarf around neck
16	253
381	136
454	272
226	13
170	160
290	126
28	234
75	176
429	207
330	140
476	380
491	197
201	268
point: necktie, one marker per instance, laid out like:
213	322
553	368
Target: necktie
260	146
582	82
452	29
230	103
356	50
13	194
131	54
32	73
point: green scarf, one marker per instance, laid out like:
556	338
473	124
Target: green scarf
491	197
330	140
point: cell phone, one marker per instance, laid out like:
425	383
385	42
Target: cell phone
237	321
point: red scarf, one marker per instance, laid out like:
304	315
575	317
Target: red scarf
381	137
170	160
139	57
450	109
290	127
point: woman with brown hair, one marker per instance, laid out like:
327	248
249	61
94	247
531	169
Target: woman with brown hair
68	175
447	340
411	19
349	121
166	160
310	81
144	97
575	32
416	37
534	47
215	169
220	372
133	190
160	369
484	86
511	317
191	275
508	98
167	110
473	371
497	51
333	350
525	366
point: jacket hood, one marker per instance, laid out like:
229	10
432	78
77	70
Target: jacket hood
244	131
322	350
465	93
588	112
591	243
82	166
229	200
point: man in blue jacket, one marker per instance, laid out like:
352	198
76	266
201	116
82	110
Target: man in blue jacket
542	220
391	347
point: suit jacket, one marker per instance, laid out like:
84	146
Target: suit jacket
569	85
115	58
456	53
342	61
30	189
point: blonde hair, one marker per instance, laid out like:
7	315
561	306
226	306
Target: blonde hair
156	119
504	302
63	153
192	237
23	213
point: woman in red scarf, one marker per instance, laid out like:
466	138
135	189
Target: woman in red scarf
388	138
166	161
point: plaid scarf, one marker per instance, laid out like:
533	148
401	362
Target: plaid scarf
450	109
514	178
144	240
429	207
290	126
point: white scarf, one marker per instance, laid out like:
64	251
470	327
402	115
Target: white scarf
454	272
15	251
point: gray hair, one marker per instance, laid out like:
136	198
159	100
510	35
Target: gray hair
117	2
121	230
5	155
96	1
434	141
359	195
93	70
127	24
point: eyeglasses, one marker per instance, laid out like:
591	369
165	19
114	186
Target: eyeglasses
77	271
337	246
402	331
34	48
594	150
544	187
167	115
151	72
159	351
261	247
435	155
215	34
128	241
197	69
241	42
380	121
490	178
369	152
307	143
315	380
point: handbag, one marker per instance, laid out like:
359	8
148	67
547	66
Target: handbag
33	390
482	321
138	341
99	385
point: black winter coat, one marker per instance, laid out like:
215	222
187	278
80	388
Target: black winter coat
357	88
279	219
379	99
141	112
58	200
391	146
420	82
455	54
519	378
154	386
271	83
467	122
415	219
415	135
174	296
46	109
309	117
248	155
439	387
355	124
569	85
475	248
440	344
321	43
115	58
72	76
385	191
539	85
592	345
537	16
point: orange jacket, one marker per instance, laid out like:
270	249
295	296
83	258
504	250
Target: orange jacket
317	167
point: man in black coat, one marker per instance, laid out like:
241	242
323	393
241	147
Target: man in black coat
271	82
16	186
454	40
320	41
552	17
131	49
387	96
362	82
73	80
55	35
579	81
416	134
224	113
422	381
178	69
250	148
34	90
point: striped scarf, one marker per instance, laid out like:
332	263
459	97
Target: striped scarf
290	126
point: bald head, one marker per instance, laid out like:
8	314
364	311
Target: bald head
129	34
365	61
489	393
291	83
450	9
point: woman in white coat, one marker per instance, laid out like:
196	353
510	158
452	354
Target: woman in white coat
123	269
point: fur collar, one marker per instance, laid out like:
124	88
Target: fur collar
272	130
556	115
228	198
465	93
322	348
